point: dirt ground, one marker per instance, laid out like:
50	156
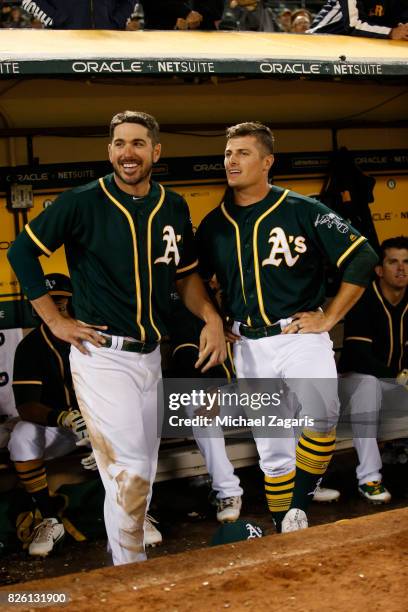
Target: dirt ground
344	566
187	520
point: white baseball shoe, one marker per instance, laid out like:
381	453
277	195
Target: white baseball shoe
152	536
229	509
326	495
46	535
294	520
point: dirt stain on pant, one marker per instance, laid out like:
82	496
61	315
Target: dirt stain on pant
132	497
105	454
132	490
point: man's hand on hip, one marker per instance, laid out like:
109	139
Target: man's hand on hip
314	322
75	332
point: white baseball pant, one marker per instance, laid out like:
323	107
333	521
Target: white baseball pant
224	481
117	395
301	360
211	443
30	441
363	397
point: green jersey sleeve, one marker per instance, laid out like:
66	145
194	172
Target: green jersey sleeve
188	257
27	375
50	229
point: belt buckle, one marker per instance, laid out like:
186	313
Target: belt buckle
141	345
133	346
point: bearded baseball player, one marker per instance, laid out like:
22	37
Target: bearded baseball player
127	240
267	246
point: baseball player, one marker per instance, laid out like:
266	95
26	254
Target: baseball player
51	424
127	240
266	246
184	336
375	348
184	331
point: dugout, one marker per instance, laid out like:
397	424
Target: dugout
59	89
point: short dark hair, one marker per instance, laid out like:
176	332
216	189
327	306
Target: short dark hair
397	242
148	121
253	128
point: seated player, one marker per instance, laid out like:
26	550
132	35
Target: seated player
375	348
184	334
51	424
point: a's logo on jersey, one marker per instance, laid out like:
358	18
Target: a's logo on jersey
353	237
171	240
281	248
332	220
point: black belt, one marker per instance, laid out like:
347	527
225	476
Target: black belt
131	346
254	333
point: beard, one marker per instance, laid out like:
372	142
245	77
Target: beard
141	175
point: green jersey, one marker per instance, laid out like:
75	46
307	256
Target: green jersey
376	335
123	254
42	373
269	257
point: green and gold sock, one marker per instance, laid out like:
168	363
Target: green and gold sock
278	491
313	454
33	477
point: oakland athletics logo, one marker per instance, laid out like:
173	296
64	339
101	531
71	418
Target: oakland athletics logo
280	246
171	240
253	531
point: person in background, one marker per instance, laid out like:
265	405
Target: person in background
51	424
81	14
370	18
248	15
284	20
374	362
300	24
301	20
179	15
13	17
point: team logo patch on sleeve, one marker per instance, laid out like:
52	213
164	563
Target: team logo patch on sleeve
171	240
332	220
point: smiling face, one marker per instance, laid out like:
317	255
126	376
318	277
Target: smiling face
246	162
132	155
394	269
